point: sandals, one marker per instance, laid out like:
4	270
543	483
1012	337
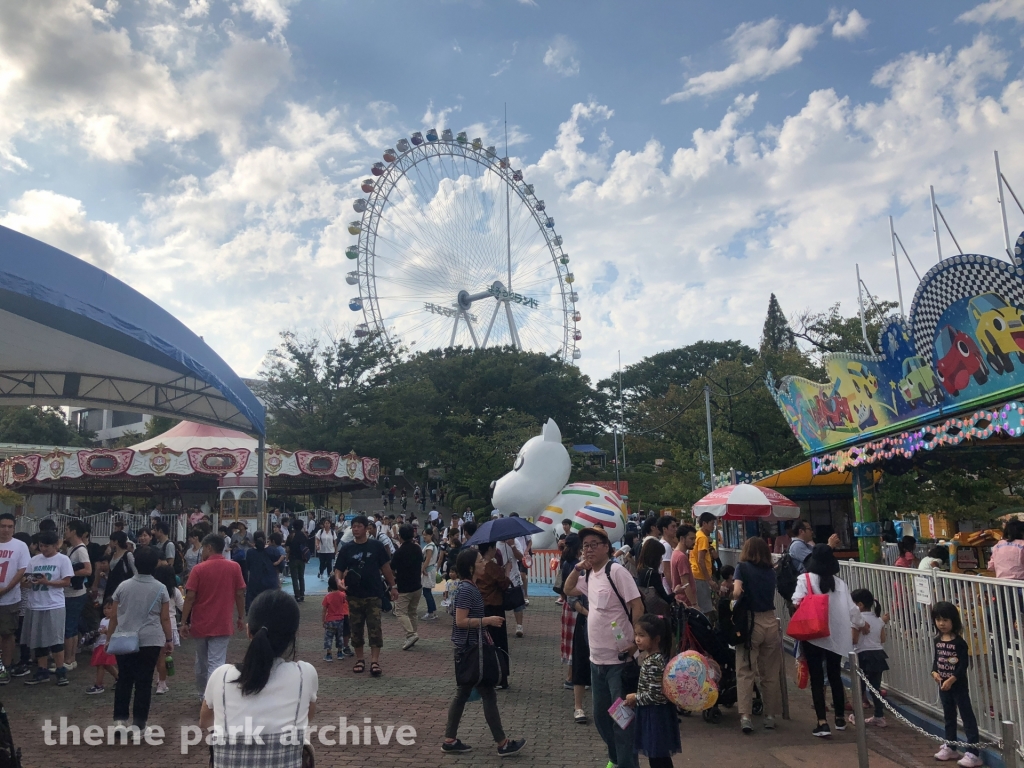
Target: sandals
375	670
359	667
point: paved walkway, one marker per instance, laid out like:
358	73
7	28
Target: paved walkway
415	691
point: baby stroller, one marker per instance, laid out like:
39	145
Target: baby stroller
697	634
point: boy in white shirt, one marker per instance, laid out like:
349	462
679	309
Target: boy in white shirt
48	574
14	559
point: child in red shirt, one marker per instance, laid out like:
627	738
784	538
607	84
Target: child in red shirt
335	620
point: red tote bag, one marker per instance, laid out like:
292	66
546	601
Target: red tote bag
810	622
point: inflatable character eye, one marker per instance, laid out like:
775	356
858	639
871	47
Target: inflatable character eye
520	460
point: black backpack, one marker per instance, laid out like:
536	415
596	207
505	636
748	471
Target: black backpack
10	757
786	574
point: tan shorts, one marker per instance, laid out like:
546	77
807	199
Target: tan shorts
9	619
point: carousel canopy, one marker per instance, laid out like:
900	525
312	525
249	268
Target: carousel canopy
190	457
70	334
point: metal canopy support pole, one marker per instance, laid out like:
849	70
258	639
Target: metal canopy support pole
866	528
857	694
935	222
1002	208
896	261
261	487
615	438
494	314
711	447
863	322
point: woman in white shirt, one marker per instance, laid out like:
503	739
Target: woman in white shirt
268	688
326	545
428	572
844	622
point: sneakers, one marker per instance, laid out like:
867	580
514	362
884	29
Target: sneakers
410	642
519	630
21	670
328	657
511	746
429	617
769	723
970	760
526	602
162	688
446	603
41	676
579	716
347	651
5	677
877	722
745	725
840	724
62	677
567	684
559	601
456	747
51	666
72	666
821	730
94	689
947	753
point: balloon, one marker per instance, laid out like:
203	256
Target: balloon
688	683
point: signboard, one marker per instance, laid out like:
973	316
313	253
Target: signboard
923	590
961	348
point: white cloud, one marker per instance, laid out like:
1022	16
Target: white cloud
439	119
854	26
62	222
756	54
505	64
994	10
561	57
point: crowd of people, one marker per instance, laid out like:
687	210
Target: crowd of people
620	607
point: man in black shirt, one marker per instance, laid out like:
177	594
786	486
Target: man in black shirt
298	546
363	565
408	567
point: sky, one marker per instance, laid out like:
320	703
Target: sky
696	157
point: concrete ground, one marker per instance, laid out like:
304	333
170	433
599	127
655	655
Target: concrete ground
415	691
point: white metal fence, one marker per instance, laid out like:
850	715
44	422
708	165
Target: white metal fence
992	611
101	525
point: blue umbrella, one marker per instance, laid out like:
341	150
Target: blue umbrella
503	528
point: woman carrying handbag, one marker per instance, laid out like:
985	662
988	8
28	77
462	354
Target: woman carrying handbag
825	650
468	635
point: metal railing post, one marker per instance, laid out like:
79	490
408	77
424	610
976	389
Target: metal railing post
1009	738
857	693
783	682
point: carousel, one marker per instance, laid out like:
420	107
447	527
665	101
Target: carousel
193	463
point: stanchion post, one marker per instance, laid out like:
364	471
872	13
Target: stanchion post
1009	744
857	693
783	681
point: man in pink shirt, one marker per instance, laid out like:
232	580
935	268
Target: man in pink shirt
682	574
614	602
214	591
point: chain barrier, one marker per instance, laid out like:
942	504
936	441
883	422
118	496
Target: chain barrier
961	744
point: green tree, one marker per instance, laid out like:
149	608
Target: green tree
776	336
40	426
830	331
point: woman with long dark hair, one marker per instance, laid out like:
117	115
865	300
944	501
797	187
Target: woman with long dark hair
648	570
470	620
844	621
762	657
269	687
492	581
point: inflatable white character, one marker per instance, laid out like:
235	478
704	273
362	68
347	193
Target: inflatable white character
536	488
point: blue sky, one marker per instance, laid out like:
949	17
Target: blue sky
696	156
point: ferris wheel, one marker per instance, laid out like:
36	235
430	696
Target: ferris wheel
455	249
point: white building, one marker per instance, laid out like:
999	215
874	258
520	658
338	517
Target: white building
108	425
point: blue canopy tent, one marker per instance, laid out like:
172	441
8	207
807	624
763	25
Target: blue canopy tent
70	334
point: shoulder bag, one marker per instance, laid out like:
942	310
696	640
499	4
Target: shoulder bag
124	642
478	664
512	599
810	622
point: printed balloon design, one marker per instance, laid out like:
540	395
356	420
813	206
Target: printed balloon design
688	682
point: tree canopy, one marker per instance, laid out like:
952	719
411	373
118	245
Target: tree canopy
39	426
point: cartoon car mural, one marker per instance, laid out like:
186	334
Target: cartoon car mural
831	412
918	384
863	380
957	359
999	329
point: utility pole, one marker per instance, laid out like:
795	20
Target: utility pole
615	437
711	447
622	415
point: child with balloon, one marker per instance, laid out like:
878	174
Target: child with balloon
657	727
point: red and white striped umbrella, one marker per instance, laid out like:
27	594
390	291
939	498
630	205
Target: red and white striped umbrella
747	502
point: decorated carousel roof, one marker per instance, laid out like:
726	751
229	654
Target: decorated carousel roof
189	456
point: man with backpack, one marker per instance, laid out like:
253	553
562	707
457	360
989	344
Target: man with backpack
163	543
614	603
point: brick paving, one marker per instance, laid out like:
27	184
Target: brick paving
415	690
